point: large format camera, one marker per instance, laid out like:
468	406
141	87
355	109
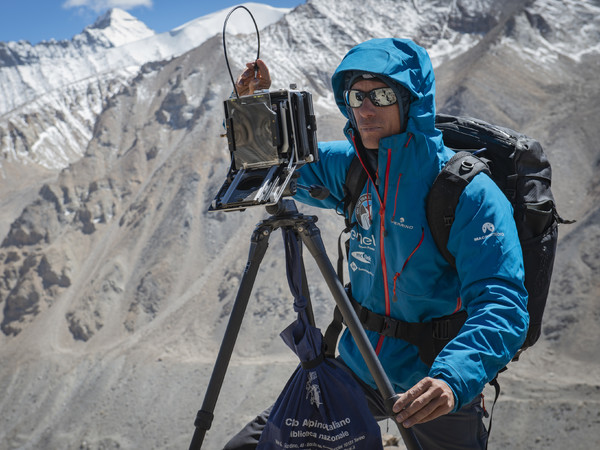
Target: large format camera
270	134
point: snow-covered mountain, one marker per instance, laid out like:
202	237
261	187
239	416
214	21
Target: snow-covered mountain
27	71
53	91
116	284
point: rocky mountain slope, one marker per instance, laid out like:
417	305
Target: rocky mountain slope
117	283
53	92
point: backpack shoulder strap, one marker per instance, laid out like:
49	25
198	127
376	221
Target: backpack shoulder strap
356	177
444	195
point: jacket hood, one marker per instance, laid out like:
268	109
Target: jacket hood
403	62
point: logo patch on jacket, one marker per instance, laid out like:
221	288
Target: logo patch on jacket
362	211
362	257
488	229
401	222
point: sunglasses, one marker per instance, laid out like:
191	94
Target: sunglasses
383	96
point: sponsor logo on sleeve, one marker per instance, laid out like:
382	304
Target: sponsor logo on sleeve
488	229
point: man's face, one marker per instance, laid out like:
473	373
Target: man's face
375	122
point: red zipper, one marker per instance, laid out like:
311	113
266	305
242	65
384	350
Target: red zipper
382	232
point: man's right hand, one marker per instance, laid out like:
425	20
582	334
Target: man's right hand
255	77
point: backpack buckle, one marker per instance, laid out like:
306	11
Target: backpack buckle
388	326
446	328
441	329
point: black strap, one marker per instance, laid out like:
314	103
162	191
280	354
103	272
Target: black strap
356	178
309	365
355	181
429	337
340	260
444	194
496	385
332	333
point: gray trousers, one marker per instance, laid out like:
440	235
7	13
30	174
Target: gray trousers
462	430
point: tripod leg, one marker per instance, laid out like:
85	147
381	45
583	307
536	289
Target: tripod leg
258	248
311	236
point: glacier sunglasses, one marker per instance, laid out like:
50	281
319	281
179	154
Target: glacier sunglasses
383	96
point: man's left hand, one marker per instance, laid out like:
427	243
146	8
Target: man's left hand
429	399
255	77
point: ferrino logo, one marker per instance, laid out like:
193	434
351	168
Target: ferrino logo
363	211
488	229
400	223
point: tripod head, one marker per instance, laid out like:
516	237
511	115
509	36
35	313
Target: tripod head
284	207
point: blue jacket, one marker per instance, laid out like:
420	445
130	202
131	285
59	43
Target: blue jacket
394	265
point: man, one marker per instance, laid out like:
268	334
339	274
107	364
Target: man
386	89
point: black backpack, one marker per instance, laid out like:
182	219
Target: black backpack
520	168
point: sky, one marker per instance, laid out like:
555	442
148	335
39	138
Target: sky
42	20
